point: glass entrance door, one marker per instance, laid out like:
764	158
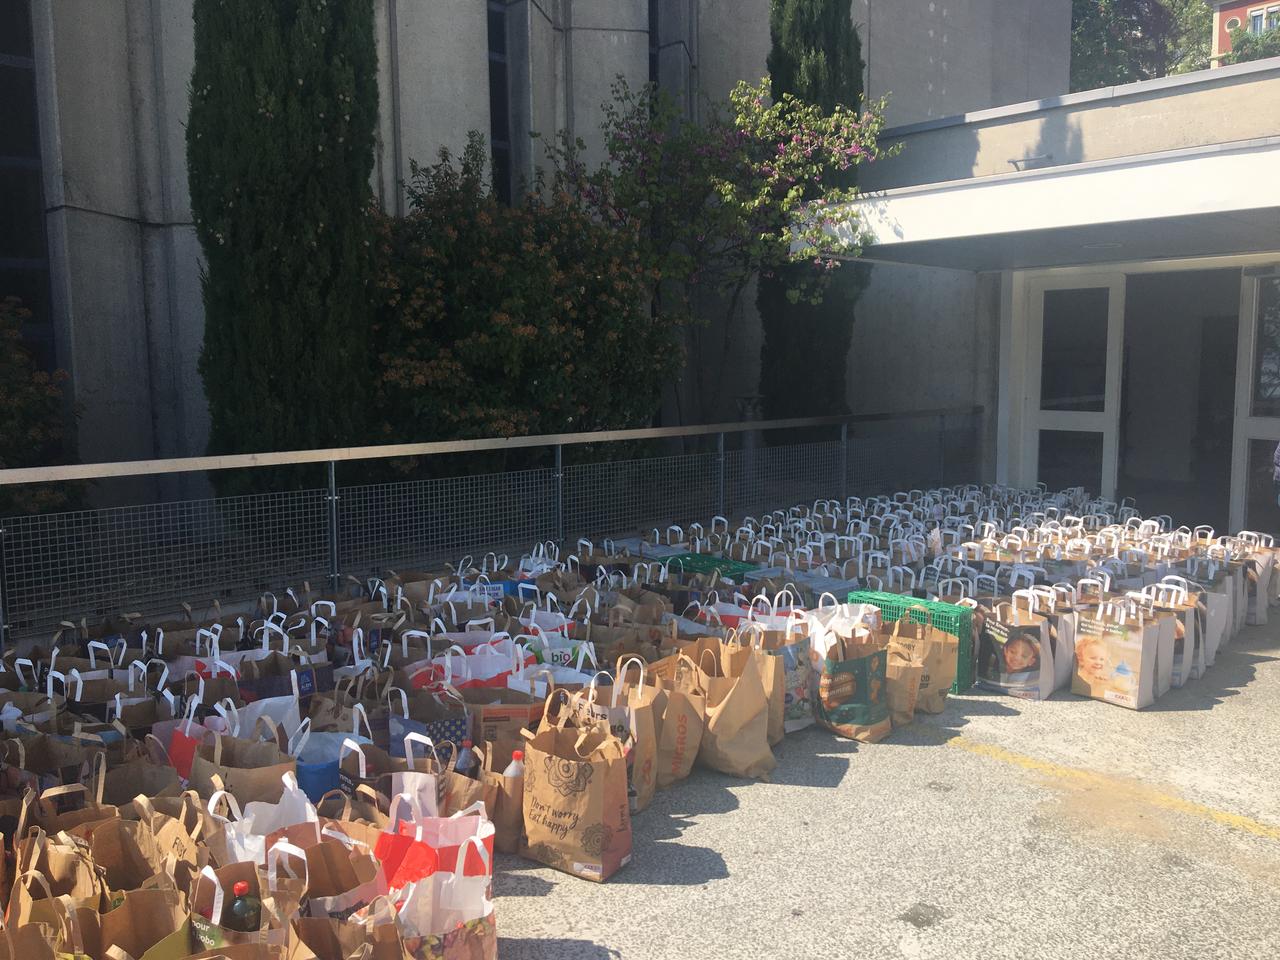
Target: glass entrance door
1255	496
1075	348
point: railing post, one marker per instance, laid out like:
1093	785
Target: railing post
942	450
844	464
332	499
979	421
3	593
559	478
720	487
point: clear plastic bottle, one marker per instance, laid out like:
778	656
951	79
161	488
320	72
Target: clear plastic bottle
467	763
516	767
244	913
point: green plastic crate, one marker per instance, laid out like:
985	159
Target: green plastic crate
947	617
706	563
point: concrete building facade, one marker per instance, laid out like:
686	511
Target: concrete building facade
1125	246
108	221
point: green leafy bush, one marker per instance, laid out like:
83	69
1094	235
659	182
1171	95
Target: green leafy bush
32	419
752	187
498	320
817	57
284	102
1247	47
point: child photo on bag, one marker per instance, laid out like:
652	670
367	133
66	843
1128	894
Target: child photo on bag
1092	660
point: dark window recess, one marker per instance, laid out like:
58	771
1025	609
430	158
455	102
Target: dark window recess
499	120
655	44
497	29
499	101
1071	458
19	136
1073	373
1266	371
21	214
24	255
15	27
1262	511
502	171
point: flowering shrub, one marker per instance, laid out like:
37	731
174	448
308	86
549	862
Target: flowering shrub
753	186
32	429
507	321
567	311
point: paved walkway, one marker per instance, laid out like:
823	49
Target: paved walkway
999	829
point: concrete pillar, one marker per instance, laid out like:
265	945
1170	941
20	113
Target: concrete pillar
433	69
733	44
534	64
677	44
604	40
94	221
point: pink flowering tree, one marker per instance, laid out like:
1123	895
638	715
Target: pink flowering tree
713	204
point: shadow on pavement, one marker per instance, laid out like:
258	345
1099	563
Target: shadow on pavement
538	948
812	757
671	864
1233	671
516	879
929	730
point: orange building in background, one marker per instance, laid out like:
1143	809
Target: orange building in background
1256	16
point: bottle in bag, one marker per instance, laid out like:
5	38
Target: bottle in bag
244	913
516	767
467	763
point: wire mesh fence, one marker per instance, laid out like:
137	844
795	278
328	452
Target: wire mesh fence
397	525
630	495
151	558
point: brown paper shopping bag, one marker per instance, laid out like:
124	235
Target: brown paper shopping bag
628	709
126	852
683	719
1116	655
735	739
503	801
576	814
772	673
139	777
250	770
149	925
937	650
65	875
211	895
319	938
902	683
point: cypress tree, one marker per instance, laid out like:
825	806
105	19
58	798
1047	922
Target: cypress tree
816	56
280	140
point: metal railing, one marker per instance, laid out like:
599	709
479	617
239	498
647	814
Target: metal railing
149	558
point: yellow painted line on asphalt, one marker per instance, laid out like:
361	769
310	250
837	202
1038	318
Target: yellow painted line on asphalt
1155	798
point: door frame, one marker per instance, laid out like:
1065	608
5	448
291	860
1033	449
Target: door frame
1018	443
1247	427
1105	421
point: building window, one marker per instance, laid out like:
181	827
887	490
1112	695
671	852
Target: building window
499	101
1273	18
1255	21
655	48
1233	23
24	253
1266	373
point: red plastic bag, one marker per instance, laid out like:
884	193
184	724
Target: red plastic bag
405	860
447	835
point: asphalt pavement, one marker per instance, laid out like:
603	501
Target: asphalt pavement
999	829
